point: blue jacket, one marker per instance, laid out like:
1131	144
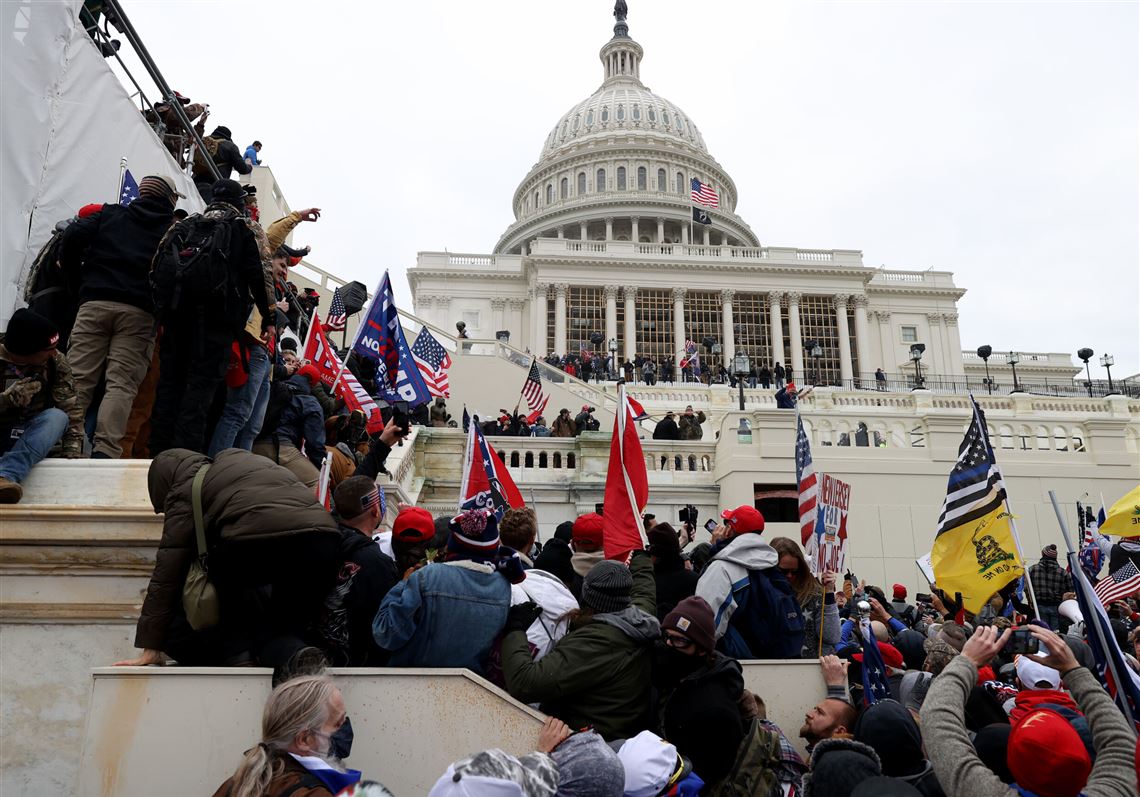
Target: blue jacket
444	615
251	153
303	422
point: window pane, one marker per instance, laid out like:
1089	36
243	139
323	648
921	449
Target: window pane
621	178
680	183
661	185
605	114
909	334
581	183
637	112
600	182
621	112
641	178
549	194
564	188
654	310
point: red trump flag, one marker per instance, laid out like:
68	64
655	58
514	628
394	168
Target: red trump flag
627	486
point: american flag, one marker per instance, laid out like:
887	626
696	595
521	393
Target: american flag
128	189
1123	574
433	361
532	391
975	487
337	317
808	489
704	194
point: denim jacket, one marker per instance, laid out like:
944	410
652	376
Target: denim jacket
444	615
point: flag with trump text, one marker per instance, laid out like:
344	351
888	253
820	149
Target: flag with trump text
324	358
627	484
974	551
486	482
381	339
433	362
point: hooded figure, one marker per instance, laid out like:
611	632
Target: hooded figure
588	767
263	528
890	730
838	766
599	673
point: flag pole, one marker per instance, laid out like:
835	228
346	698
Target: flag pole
119	187
1020	551
359	329
1079	575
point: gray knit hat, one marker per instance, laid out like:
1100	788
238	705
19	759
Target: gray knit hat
588	767
607	586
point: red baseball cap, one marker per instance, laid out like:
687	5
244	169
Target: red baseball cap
413	524
743	519
1047	756
588	528
892	657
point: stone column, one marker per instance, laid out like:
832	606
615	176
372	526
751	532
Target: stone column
498	304
560	318
538	313
633	234
886	342
611	292
862	341
729	335
776	332
685	234
630	294
794	334
609	228
844	332
706	234
955	365
660	230
583	231
935	358
561	232
678	323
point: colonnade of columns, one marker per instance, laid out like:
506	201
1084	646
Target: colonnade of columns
776	300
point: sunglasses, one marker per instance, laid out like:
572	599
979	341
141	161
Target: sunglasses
679	642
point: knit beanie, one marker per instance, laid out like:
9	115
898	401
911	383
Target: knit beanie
157	185
663	542
30	333
693	618
992	746
1047	757
588	767
838	766
565	531
607	586
1049	551
229	191
474	534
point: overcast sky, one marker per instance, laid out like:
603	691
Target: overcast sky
995	140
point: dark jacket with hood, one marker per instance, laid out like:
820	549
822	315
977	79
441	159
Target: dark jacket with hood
599	673
700	713
302	421
666	429
112	251
674	583
366	576
890	730
245	497
228	157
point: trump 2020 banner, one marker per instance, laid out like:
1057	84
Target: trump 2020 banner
831	525
381	339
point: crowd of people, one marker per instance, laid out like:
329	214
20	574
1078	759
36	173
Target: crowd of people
642	369
636	660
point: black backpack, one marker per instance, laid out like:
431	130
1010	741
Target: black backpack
768	622
192	270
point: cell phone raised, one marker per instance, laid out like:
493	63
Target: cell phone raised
1021	641
710	524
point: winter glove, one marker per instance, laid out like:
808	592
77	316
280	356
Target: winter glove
21	392
521	616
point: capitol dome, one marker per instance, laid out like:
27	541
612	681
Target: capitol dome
618	166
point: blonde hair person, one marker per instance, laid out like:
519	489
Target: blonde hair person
816	599
300	718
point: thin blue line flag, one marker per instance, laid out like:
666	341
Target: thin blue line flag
381	339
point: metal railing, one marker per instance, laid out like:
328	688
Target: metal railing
936	383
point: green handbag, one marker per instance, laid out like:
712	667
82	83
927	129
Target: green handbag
199	596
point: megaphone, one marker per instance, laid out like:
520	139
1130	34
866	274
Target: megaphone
1071	611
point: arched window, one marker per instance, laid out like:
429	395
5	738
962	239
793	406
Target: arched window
661	182
652	115
581	183
680	183
564	188
642	178
621	112
621	178
562	133
576	120
637	112
536	200
605	114
589	117
665	117
549	193
600	181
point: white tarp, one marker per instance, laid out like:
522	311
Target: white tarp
65	123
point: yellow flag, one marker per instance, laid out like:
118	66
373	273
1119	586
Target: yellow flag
1124	517
976	558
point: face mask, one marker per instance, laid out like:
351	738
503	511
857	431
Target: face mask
340	742
673	665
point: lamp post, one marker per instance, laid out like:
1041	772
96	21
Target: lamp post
740	366
815	351
613	356
916	351
984	352
1013	358
1086	354
1108	362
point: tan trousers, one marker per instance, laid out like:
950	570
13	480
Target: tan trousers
289	457
112	340
137	435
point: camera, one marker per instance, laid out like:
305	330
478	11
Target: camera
688	514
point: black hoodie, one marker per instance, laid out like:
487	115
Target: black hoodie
112	251
892	732
366	577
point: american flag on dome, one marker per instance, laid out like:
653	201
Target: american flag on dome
128	189
337	317
704	194
808	489
536	398
433	361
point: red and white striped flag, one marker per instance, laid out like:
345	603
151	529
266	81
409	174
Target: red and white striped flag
808	488
627	486
1123	577
337	317
536	398
704	194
